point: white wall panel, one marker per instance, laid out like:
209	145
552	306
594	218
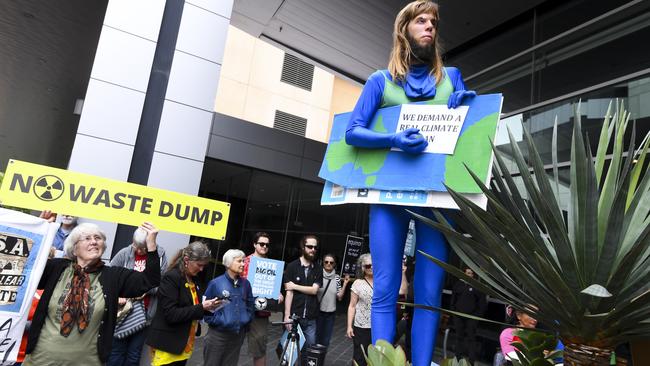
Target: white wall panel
104	158
123	59
172	243
141	17
111	111
175	173
193	81
202	33
184	131
221	7
115	96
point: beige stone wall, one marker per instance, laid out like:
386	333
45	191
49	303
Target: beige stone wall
344	96
250	87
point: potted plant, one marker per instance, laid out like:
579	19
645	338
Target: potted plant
587	278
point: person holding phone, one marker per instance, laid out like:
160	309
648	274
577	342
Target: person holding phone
229	323
174	327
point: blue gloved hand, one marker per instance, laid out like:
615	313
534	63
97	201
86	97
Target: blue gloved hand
457	97
410	141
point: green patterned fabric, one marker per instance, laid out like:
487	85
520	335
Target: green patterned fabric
395	95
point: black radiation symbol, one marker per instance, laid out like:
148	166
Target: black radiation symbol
48	188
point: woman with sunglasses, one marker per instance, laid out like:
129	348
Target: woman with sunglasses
359	309
331	292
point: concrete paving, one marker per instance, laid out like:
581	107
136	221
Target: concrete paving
339	352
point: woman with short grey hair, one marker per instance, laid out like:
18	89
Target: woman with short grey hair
230	255
75	235
228	324
76	316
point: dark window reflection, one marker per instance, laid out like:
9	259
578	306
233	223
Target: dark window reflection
635	96
284	207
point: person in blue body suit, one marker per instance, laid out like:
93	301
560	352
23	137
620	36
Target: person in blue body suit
415	73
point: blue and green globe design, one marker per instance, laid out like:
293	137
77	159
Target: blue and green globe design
384	169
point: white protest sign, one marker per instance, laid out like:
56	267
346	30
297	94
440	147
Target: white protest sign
25	243
439	125
265	276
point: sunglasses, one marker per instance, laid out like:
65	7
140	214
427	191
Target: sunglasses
263	244
367	266
311	247
329	262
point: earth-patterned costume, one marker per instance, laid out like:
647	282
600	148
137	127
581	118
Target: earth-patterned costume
389	223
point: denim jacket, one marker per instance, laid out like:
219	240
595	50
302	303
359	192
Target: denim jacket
235	316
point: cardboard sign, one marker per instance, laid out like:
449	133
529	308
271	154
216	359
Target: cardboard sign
25	243
386	170
39	187
409	246
353	246
439	125
265	276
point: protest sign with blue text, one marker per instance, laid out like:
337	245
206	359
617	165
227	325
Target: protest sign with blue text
265	276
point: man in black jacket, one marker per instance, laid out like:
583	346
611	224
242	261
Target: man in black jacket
302	279
466	299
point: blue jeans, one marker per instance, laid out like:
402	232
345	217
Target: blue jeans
127	351
324	327
308	327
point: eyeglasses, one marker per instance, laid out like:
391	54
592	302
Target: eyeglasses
329	262
367	266
90	238
311	247
263	244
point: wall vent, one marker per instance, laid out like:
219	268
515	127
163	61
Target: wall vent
291	123
297	72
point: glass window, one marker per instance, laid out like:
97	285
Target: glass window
286	208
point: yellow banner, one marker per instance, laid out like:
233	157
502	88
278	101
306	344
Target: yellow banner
40	187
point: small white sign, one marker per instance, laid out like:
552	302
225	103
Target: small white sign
438	124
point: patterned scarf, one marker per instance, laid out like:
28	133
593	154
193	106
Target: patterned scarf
76	304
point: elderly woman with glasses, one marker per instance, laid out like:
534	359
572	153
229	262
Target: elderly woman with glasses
359	309
75	318
331	291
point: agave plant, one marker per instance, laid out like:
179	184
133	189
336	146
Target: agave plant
533	348
384	354
586	278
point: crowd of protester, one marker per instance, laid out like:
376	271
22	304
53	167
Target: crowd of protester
141	307
91	313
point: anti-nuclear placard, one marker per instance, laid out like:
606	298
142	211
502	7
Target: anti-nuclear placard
265	276
25	242
439	125
39	187
353	246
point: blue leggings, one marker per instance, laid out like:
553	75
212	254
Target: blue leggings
388	229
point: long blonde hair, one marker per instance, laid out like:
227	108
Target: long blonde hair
400	56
